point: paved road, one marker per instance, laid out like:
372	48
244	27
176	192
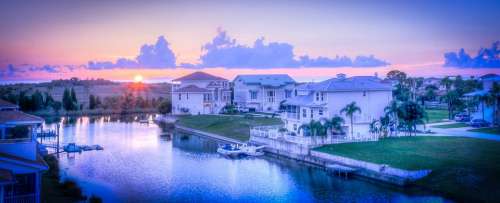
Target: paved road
460	132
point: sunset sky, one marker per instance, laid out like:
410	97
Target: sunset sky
43	40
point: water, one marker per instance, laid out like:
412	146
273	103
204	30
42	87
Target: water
139	165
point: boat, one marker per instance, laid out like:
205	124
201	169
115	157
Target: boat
97	147
72	147
144	121
165	119
86	148
252	150
230	150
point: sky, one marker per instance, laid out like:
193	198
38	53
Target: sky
311	40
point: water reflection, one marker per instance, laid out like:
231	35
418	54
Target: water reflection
146	163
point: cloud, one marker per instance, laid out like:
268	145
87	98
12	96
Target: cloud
157	55
223	51
12	71
485	58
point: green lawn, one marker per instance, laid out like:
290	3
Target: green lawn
451	125
436	115
464	168
236	127
495	130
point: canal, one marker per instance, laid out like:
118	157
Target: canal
145	163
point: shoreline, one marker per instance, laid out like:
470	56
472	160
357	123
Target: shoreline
318	161
97	112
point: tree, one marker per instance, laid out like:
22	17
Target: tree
335	124
454	102
37	101
165	107
392	112
67	102
411	113
495	97
73	96
396	75
349	111
92	102
48	100
56	105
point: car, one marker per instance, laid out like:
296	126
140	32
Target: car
477	123
462	117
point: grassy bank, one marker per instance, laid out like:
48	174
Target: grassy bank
466	169
451	125
53	190
436	115
493	130
236	127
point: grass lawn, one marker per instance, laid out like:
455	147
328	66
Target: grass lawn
236	127
495	130
451	125
436	115
463	168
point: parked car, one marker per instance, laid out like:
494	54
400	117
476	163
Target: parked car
477	123
462	117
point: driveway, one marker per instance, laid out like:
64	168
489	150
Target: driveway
460	132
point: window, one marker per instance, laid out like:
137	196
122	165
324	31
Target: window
312	113
187	96
253	94
18	132
206	97
180	96
288	93
270	96
216	94
295	92
320	112
304	113
364	93
317	96
322	96
295	127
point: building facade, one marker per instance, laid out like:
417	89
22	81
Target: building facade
21	165
200	93
323	100
262	93
485	110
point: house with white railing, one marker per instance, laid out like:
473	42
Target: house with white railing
21	165
200	93
321	102
262	93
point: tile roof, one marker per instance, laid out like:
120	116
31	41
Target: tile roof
18	117
38	163
191	88
357	83
6	104
274	80
199	76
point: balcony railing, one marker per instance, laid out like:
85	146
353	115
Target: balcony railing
29	198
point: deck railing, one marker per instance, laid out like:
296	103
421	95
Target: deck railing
29	198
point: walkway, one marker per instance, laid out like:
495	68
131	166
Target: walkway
210	135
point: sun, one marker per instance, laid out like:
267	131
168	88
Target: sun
138	78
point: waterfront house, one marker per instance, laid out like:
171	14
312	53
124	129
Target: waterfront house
262	93
324	100
200	93
21	165
485	111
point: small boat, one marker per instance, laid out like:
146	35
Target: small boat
252	150
165	119
144	121
230	150
72	147
86	148
97	147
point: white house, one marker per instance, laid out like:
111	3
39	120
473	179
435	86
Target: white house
262	93
200	93
488	110
324	100
21	166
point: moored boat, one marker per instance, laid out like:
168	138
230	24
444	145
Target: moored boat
230	150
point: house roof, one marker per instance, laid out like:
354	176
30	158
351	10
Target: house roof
199	76
303	100
5	104
6	177
357	83
38	163
191	88
13	117
273	80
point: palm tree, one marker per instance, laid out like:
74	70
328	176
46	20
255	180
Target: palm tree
335	125
392	112
447	83
349	111
495	96
373	127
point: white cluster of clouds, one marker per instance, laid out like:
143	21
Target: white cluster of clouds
485	58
